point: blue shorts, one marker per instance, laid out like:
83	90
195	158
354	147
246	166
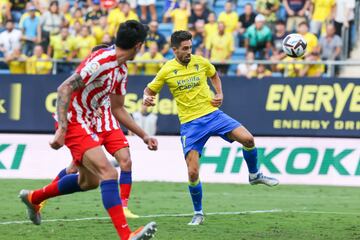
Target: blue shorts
194	134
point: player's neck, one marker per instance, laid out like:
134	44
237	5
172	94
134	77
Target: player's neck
182	63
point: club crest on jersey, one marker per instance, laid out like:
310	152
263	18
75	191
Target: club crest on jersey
95	137
197	67
175	72
92	68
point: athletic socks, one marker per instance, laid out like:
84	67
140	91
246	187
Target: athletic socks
112	203
60	175
250	155
66	185
125	182
195	189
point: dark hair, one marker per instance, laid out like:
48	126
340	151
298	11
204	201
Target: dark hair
280	22
130	33
98	47
303	23
178	37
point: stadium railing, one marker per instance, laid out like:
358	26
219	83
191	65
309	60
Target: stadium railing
330	64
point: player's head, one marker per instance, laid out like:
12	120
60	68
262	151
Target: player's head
130	36
182	45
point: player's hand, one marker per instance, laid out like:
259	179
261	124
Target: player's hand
149	100
59	139
151	142
217	100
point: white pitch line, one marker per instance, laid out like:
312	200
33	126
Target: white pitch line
146	216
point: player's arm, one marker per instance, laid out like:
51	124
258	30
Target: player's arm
216	83
149	97
120	113
64	91
154	87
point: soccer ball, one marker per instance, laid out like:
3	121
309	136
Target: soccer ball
294	45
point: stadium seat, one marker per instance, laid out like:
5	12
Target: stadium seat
166	29
242	3
239	54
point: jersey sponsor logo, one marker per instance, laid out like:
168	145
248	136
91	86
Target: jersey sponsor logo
175	72
92	68
189	83
197	67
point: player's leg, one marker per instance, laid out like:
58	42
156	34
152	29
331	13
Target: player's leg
195	187
96	162
125	179
117	145
71	169
243	136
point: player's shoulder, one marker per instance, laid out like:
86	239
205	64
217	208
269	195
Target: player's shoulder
197	59
103	56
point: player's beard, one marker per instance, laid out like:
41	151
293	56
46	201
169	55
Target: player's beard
186	59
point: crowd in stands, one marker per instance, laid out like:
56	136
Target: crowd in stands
33	33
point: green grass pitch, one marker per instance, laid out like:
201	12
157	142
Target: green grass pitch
300	212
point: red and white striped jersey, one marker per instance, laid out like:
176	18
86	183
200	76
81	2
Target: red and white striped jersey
105	121
102	76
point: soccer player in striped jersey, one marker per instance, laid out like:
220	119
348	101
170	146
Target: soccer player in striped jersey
103	74
200	118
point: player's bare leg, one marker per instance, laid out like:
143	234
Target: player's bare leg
122	156
243	136
96	162
195	188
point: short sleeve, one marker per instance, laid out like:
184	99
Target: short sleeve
210	69
158	82
92	67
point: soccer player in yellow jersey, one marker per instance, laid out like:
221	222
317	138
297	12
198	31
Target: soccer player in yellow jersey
200	117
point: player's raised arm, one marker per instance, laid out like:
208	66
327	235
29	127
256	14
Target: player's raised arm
216	83
64	91
120	113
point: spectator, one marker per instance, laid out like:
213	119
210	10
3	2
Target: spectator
169	5
244	69
155	36
39	63
313	70
199	13
15	9
146	120
330	45
16	62
144	4
76	29
322	12
152	55
198	35
220	48
108	39
258	38
289	68
10	39
311	39
180	16
260	72
3	7
268	8
280	34
95	13
29	27
344	16
41	5
295	10
211	27
119	15
200	51
84	43
245	20
66	12
99	28
77	17
229	18
63	47
29	6
50	24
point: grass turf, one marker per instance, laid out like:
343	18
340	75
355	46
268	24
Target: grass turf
305	212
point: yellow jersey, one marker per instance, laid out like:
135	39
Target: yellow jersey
98	33
230	20
210	29
84	46
18	67
34	66
62	48
116	17
292	69
150	68
312	42
220	46
322	9
188	85
180	18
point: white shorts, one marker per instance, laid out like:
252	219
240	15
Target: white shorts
146	2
